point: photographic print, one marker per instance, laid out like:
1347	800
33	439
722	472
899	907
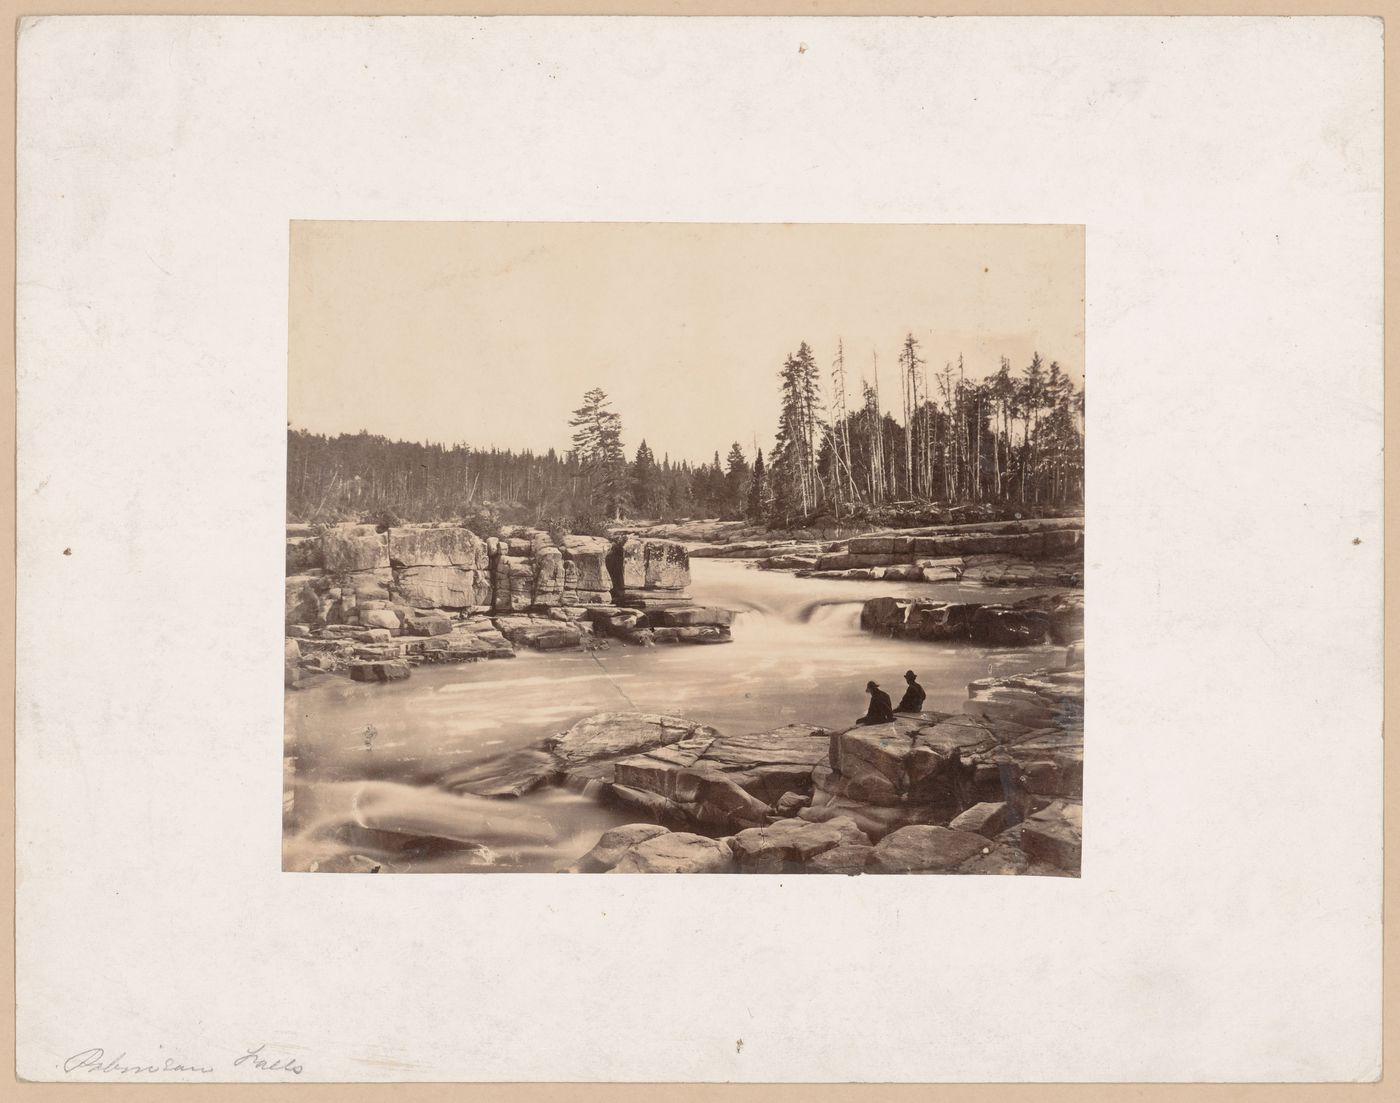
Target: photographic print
684	548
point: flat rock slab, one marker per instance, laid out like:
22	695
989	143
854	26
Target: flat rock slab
393	670
729	780
617	734
509	775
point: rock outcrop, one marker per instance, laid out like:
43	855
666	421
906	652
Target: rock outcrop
676	852
1056	618
520	588
1030	552
995	790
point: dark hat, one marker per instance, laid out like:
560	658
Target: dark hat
910	674
871	685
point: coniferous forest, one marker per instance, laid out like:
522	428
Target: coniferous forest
1011	438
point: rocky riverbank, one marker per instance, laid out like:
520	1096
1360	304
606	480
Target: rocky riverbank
1034	552
375	603
1054	617
994	789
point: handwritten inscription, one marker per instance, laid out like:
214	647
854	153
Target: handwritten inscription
96	1062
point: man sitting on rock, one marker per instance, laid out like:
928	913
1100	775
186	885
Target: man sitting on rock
880	711
913	700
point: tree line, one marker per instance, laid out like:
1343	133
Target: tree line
1013	437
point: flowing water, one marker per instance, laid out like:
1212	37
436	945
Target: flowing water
363	759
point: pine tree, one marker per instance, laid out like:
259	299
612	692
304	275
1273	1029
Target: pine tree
754	504
736	477
647	493
794	474
598	448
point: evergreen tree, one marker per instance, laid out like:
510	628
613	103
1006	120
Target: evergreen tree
598	448
796	487
754	504
736	477
648	494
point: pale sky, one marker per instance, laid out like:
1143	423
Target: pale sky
489	333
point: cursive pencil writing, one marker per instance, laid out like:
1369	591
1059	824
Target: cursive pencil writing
95	1061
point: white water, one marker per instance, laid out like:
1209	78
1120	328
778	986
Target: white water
367	756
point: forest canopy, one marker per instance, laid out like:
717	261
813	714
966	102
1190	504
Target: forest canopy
1012	437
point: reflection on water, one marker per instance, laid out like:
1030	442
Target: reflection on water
366	756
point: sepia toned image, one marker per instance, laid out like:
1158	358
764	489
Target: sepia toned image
684	548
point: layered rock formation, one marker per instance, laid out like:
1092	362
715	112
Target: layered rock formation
1044	551
996	789
481	598
1057	618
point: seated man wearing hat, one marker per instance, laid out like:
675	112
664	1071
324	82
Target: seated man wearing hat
880	712
913	700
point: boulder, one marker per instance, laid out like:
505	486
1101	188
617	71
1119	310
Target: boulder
876	820
298	631
988	818
999	860
549	577
588	556
390	670
424	546
922	848
374	635
697	634
540	634
303	605
727	781
877	560
676	852
848	859
789	803
781	845
940	620
444	586
667	565
1003	626
429	626
1054	835
876	545
627	565
892	763
380	618
613	844
513	583
648	804
885	616
635	563
346	548
685	617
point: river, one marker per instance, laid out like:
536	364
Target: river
363	758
